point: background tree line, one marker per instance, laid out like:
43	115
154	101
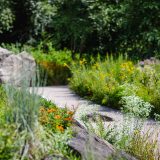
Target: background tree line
85	26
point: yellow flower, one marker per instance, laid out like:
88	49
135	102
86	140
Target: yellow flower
42	109
127	69
83	61
65	65
68	119
57	117
102	76
96	65
70	112
136	132
51	110
60	128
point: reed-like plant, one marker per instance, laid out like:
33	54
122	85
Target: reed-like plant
23	105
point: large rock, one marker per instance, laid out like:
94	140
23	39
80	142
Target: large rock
90	145
15	69
4	53
149	62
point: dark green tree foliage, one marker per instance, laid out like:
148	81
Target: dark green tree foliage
72	25
42	18
127	26
85	25
141	27
6	16
17	16
23	10
105	21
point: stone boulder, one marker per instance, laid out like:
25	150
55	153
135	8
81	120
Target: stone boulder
149	62
96	116
4	53
89	145
15	69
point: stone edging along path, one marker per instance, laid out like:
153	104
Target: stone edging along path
62	96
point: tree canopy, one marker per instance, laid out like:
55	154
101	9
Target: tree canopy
85	26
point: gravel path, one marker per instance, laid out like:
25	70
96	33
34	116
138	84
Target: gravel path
62	96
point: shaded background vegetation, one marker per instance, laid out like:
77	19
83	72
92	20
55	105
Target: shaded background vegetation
84	26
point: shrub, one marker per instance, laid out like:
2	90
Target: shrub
101	80
54	64
22	107
56	74
135	106
107	81
8	142
3	105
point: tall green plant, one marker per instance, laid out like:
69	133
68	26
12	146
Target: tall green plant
23	103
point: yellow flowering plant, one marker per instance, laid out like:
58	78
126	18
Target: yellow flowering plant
54	63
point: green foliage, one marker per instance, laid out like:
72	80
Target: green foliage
128	136
142	147
46	52
71	24
108	81
8	143
6	16
42	17
3	104
21	136
141	27
17	47
135	106
53	63
8	132
128	26
22	107
100	81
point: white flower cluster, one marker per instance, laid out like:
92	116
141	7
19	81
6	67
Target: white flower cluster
135	106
